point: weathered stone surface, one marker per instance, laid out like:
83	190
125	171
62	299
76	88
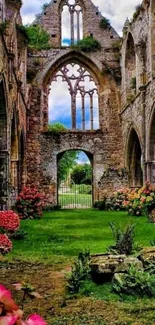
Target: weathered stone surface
110	264
147	254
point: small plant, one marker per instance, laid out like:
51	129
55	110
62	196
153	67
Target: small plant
130	97
80	272
101	205
38	38
138	9
133	83
10	314
88	44
105	23
56	127
3	26
124	239
19	235
29	203
136	282
28	291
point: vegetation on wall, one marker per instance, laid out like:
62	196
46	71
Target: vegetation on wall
38	38
105	23
138	9
88	44
133	83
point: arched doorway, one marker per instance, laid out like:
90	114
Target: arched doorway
3	150
21	168
151	152
75	179
14	180
134	160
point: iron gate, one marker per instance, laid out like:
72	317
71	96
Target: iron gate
74	196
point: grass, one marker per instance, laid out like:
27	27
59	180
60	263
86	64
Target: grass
60	235
73	200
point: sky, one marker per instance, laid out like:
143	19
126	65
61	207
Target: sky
115	10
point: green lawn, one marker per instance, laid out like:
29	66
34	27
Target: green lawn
60	235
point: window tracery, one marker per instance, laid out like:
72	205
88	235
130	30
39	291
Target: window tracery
77	82
72	26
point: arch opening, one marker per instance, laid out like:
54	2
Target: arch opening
3	150
130	68
134	160
152	150
14	180
71	23
77	108
75	179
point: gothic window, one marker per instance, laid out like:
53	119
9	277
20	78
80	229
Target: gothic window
73	98
71	23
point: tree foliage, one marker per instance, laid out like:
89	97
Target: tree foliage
66	163
82	174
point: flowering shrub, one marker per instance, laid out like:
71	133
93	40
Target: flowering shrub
141	201
116	200
5	244
9	221
10	313
29	203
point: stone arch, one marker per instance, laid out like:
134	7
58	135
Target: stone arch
66	183
14	156
130	67
3	148
22	161
152	36
69	59
151	147
134	159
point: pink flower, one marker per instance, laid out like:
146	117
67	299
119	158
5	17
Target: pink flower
9	220
5	244
34	319
8	320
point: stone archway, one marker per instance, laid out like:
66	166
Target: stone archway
14	180
134	160
3	149
75	186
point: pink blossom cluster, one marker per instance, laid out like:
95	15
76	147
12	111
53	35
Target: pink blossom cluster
9	221
5	244
10	314
29	203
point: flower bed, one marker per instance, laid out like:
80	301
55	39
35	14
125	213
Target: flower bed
9	224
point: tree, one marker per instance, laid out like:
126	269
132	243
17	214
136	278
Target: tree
82	174
66	163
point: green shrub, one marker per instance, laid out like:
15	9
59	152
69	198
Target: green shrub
88	44
82	188
133	83
56	127
124	239
38	38
105	23
136	282
80	272
100	205
138	9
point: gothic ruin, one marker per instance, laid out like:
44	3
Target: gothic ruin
116	128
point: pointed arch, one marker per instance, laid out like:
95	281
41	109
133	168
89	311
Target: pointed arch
14	156
130	66
134	159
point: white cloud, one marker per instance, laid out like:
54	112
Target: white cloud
116	11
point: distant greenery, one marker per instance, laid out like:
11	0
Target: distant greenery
38	38
88	44
66	163
82	174
56	127
105	23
